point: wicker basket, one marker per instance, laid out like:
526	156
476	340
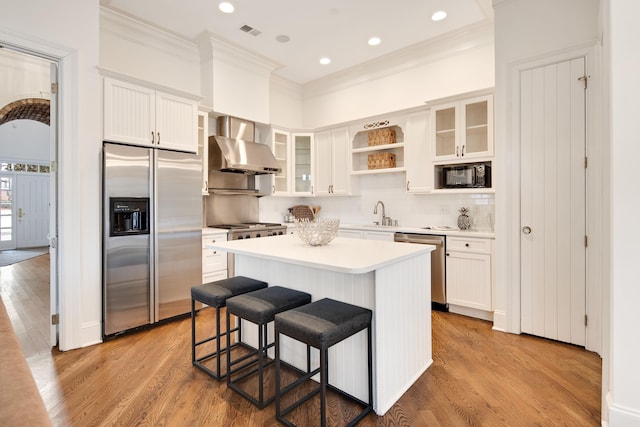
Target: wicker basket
381	136
381	161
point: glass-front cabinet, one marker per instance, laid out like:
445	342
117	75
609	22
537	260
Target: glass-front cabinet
463	130
294	153
302	150
281	152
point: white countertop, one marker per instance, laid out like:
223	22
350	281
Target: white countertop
418	230
344	255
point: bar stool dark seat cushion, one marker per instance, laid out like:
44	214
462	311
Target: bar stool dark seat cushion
261	306
215	294
323	323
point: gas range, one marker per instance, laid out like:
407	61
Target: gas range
251	230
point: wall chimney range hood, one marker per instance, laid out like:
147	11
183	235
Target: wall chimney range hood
234	149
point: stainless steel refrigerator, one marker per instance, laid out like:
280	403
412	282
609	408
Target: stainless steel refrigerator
152	227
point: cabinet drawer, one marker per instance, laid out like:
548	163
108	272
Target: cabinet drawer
214	277
213	238
469	244
213	260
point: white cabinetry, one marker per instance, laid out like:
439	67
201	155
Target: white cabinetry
332	162
468	266
214	262
142	116
280	146
463	130
417	161
366	234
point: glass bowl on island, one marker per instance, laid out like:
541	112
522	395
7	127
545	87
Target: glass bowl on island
317	232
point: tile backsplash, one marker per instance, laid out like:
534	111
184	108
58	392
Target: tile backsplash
413	210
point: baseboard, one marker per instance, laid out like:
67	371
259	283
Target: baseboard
499	321
621	416
471	312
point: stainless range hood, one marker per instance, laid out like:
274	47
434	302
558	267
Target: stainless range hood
241	156
234	149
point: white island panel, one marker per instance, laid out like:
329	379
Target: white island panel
391	279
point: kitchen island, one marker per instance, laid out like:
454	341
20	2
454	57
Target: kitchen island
392	279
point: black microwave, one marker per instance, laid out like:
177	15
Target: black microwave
469	175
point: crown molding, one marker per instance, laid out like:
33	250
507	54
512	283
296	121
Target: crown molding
144	34
213	48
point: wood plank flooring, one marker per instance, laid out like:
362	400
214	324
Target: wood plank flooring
479	377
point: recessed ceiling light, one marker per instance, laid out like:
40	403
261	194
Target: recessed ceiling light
325	61
282	38
226	7
439	15
374	41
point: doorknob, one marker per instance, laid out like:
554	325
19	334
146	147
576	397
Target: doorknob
20	213
526	229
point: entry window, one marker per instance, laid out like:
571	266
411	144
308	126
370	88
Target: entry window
6	208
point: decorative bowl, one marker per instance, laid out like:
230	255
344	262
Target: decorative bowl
318	232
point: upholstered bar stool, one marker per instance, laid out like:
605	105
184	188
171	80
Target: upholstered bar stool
321	325
215	294
258	307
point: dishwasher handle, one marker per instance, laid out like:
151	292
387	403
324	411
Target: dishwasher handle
424	239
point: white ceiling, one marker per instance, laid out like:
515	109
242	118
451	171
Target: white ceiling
338	29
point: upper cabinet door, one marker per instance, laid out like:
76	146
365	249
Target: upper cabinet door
281	145
142	116
341	160
446	141
477	137
176	123
332	162
416	147
303	152
129	113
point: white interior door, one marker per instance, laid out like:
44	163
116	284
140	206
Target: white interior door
53	205
32	210
553	215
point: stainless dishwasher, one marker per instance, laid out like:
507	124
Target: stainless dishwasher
438	284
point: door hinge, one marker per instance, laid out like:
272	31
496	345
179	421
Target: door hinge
586	241
55	319
53	242
54	87
54	166
584	80
586	320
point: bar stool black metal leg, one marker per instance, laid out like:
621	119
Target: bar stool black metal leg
218	340
278	384
193	331
324	377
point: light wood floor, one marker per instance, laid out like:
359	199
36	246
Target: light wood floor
479	377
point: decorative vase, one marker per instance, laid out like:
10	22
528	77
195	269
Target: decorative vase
464	222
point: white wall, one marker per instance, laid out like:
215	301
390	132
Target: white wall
137	50
461	62
24	140
68	29
624	374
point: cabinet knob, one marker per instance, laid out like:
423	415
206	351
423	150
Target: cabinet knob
214	252
447	253
526	229
466	244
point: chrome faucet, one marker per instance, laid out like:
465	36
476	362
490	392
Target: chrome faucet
375	211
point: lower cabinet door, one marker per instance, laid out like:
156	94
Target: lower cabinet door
469	280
